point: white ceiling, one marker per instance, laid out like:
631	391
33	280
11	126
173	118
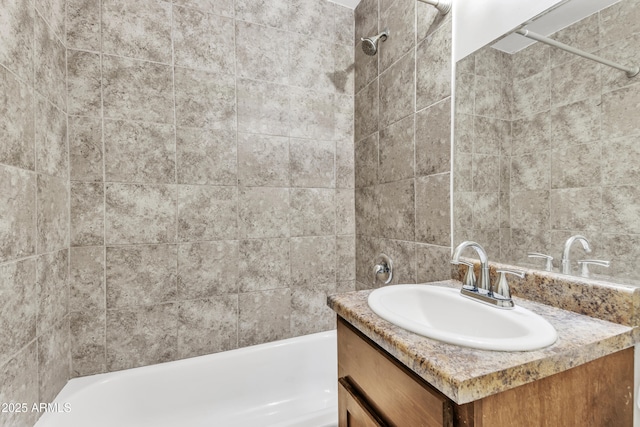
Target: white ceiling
559	17
348	3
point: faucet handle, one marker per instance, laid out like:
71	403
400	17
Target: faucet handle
548	266
586	262
469	280
502	288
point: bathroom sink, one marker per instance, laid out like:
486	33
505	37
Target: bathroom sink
445	315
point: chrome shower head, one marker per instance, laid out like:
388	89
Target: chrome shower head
370	44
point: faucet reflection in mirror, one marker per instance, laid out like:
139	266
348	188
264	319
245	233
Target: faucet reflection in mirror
547	146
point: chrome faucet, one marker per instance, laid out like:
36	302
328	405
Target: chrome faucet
566	263
501	298
484	261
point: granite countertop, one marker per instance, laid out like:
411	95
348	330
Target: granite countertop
465	374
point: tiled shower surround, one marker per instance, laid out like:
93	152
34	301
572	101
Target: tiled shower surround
177	180
403	141
547	146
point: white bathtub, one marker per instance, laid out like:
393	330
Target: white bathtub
285	383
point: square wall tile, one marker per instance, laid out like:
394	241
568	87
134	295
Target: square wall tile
313	261
17	213
309	310
139	152
141	336
366	161
433	210
264	264
396	151
83	24
263	160
345	258
140	29
311	18
620	209
433	139
85	149
206	269
345	168
345	212
52	289
264	316
396	210
313	212
87	342
206	156
307	55
312	163
137	213
84	81
54	13
18	308
272	13
218	7
141	275
366	207
619	159
50	62
16	122
203	40
575	209
433	65
207	212
53	214
53	360
432	263
87	213
263	107
138	90
366	111
19	379
258	57
312	114
51	139
17	49
263	212
205	99
397	90
400	19
207	326
86	278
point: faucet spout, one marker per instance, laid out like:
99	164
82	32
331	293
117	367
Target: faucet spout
484	262
566	262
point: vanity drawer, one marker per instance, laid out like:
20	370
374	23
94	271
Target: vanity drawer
394	393
354	410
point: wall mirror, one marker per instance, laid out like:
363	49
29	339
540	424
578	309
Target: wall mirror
547	143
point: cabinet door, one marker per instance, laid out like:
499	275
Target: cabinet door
354	411
396	394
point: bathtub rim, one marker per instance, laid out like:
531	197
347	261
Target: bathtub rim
80	384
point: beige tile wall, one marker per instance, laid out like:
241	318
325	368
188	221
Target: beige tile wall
212	189
177	179
402	141
552	146
34	206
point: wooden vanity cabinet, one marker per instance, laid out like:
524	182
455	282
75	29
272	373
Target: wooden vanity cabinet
375	390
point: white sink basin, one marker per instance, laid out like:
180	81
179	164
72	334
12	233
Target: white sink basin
443	314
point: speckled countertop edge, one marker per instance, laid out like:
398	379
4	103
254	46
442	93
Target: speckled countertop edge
466	374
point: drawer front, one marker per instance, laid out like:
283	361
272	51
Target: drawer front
396	394
354	411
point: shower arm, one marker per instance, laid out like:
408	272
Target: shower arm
443	6
631	71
